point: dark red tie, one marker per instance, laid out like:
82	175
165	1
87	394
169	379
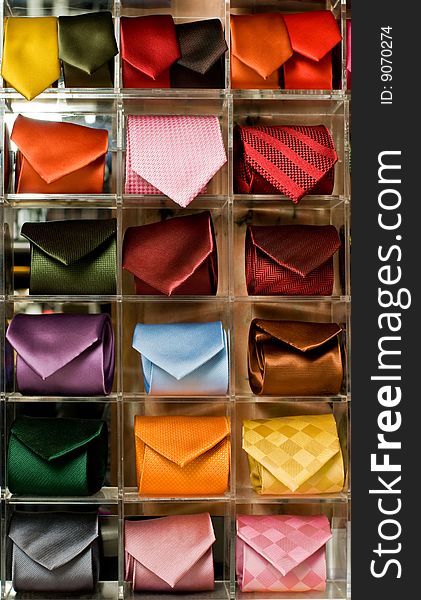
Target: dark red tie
292	160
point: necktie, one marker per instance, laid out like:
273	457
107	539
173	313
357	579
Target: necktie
202	46
259	46
87	46
173	257
292	160
290	259
30	54
282	553
57	457
172	155
170	554
73	256
54	551
313	35
294	455
348	53
149	47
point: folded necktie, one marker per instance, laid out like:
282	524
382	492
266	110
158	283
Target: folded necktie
290	259
170	554
87	46
173	257
282	553
54	552
313	35
294	455
294	358
348	54
202	46
259	47
293	160
58	158
72	257
63	354
182	456
30	54
172	155
149	47
57	457
183	359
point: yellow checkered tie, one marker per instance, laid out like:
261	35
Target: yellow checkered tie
299	455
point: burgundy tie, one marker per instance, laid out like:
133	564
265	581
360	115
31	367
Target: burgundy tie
292	160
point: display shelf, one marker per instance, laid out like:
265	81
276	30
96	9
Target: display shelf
106	590
107	495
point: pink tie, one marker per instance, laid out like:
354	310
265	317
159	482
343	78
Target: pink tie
172	155
282	553
170	554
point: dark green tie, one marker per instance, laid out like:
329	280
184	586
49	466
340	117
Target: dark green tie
72	257
87	46
57	457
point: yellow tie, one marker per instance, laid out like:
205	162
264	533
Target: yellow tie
30	55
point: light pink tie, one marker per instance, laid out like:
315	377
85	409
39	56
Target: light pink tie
282	553
170	554
172	155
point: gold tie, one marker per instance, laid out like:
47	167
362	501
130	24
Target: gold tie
30	55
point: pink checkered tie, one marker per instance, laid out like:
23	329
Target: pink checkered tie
282	553
172	155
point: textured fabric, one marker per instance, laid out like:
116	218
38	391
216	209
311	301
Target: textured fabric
282	553
348	54
294	455
72	257
290	259
170	554
290	160
54	552
294	358
63	354
30	54
57	457
149	47
183	359
173	257
58	158
172	155
87	46
259	46
182	456
313	35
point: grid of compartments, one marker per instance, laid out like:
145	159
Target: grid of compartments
109	108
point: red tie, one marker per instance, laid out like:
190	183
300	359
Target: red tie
291	160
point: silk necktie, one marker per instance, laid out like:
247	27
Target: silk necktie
57	457
348	54
202	46
294	358
293	160
149	47
183	359
172	155
259	46
182	456
282	553
30	54
290	259
87	46
170	554
73	256
82	366
173	257
294	455
54	551
313	35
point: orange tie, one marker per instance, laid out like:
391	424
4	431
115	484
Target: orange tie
259	46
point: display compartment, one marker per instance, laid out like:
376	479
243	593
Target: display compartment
331	113
313	211
337	553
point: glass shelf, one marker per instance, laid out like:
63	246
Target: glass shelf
107	495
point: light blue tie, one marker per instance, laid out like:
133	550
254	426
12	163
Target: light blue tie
183	359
